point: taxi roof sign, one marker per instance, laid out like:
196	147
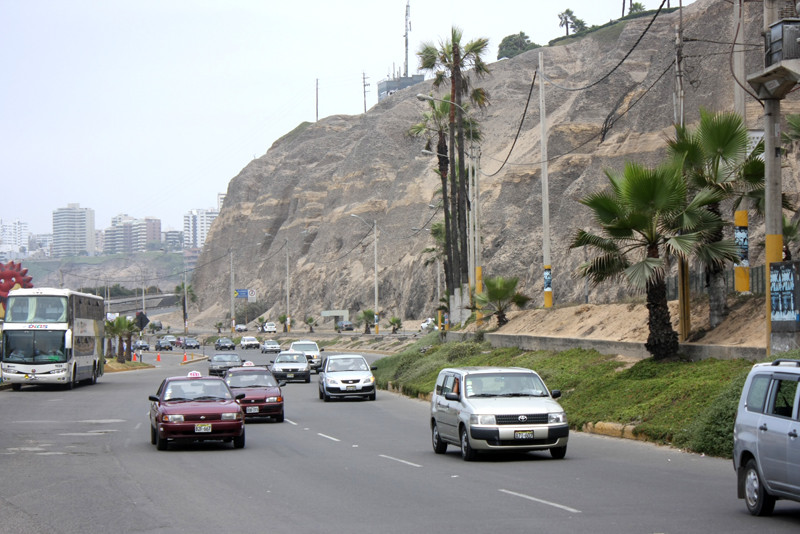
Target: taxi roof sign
194	374
248	363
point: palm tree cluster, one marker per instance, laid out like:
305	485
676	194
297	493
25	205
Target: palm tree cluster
569	21
651	215
445	123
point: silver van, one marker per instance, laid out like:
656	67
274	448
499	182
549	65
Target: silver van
496	409
766	449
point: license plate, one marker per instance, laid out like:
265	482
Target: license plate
289	375
351	388
202	427
252	409
523	434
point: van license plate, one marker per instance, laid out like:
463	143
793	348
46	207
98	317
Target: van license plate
202	427
523	434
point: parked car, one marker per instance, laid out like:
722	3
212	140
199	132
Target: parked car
312	351
496	409
429	323
224	343
171	339
291	365
766	456
195	408
191	343
270	328
344	325
220	363
241	328
270	345
163	344
248	342
346	375
262	391
140	344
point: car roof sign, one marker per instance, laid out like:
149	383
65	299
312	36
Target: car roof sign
194	374
247	364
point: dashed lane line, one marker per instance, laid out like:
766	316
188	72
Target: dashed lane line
548	503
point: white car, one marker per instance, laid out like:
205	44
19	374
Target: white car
249	342
430	322
346	375
270	328
312	351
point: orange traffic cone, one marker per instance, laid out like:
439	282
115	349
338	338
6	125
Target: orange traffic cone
158	357
184	357
133	357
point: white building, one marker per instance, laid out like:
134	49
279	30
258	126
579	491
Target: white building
73	231
196	225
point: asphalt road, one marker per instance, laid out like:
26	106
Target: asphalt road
81	461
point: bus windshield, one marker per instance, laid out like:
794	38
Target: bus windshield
36	309
27	346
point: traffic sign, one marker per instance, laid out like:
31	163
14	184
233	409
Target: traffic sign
240	293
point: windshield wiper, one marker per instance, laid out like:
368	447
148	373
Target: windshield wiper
484	395
208	397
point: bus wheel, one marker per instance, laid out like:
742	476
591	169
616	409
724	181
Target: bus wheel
16	387
71	383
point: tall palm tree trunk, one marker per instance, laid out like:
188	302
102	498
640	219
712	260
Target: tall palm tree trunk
715	281
455	266
441	148
662	342
462	176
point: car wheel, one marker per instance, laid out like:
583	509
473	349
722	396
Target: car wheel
238	441
439	446
372	396
325	396
467	453
161	443
308	379
279	418
758	501
153	434
558	452
16	387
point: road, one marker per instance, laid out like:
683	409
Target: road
81	461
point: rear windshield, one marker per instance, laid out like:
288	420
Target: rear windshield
307	347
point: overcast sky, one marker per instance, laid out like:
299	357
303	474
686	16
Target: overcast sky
150	107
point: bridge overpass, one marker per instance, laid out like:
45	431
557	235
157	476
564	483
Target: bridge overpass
131	305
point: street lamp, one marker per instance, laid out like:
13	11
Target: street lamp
374	227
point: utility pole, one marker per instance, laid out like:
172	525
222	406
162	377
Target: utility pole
408	29
547	272
684	291
233	313
317	101
365	85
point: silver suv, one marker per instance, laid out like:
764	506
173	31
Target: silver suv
496	408
311	350
766	449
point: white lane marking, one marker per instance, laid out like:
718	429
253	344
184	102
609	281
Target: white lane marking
328	437
548	503
399	460
82	434
290	422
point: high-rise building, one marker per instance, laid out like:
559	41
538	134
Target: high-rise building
73	231
196	225
14	239
127	235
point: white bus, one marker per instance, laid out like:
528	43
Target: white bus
52	336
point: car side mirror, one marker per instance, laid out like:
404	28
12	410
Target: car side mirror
272	361
240	396
153	398
556	393
321	349
451	396
373	368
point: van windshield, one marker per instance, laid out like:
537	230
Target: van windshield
505	385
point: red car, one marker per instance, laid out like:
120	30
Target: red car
262	392
195	408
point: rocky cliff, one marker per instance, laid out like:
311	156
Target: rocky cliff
605	105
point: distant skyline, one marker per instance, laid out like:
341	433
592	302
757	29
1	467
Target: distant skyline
151	107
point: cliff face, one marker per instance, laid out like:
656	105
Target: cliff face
298	198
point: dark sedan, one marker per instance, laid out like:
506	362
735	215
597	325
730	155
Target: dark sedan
191	343
219	364
195	408
263	397
224	343
163	344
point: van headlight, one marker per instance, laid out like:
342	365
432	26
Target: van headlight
477	419
557	417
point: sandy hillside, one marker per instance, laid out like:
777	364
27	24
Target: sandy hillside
745	324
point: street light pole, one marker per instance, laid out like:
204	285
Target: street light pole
233	313
375	253
288	282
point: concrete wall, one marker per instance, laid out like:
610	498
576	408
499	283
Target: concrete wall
633	350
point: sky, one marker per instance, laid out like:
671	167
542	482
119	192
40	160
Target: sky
150	107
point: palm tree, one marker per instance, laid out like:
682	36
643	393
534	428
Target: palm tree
282	319
368	316
565	20
310	321
219	326
449	62
499	294
435	121
715	156
396	323
646	219
111	332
